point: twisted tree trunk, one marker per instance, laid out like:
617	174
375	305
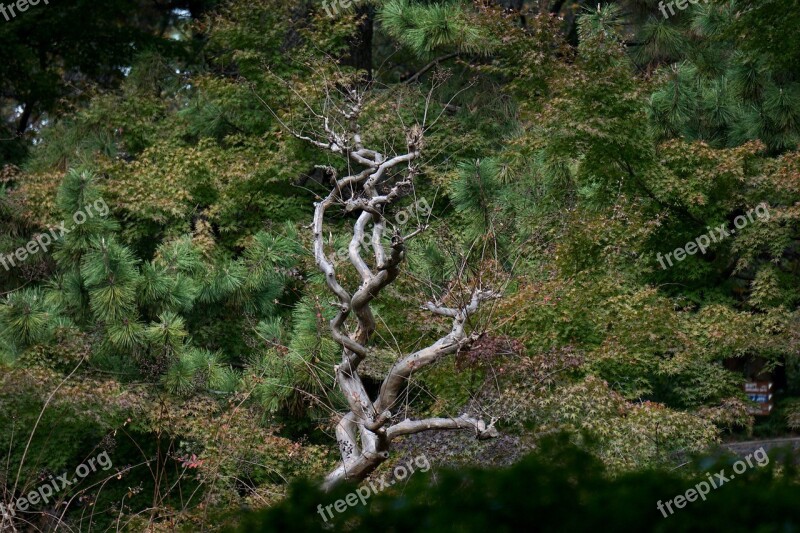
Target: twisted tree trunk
365	432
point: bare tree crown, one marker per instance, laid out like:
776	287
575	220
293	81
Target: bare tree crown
365	432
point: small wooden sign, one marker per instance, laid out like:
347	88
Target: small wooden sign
758	387
760	393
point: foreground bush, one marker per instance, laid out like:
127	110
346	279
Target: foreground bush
558	489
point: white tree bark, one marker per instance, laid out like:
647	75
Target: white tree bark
365	433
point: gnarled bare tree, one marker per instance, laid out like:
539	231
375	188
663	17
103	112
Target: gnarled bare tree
379	181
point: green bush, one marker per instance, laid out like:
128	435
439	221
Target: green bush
559	488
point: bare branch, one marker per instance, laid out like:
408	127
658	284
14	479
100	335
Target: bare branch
408	427
362	433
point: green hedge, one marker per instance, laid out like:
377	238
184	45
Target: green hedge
561	489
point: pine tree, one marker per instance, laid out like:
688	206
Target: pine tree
26	318
715	89
147	316
294	366
430	28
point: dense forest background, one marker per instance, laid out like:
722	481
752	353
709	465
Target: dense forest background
180	323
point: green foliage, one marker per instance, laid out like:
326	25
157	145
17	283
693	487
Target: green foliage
294	367
94	42
720	87
27	318
433	27
476	194
109	274
144	313
560	165
560	488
